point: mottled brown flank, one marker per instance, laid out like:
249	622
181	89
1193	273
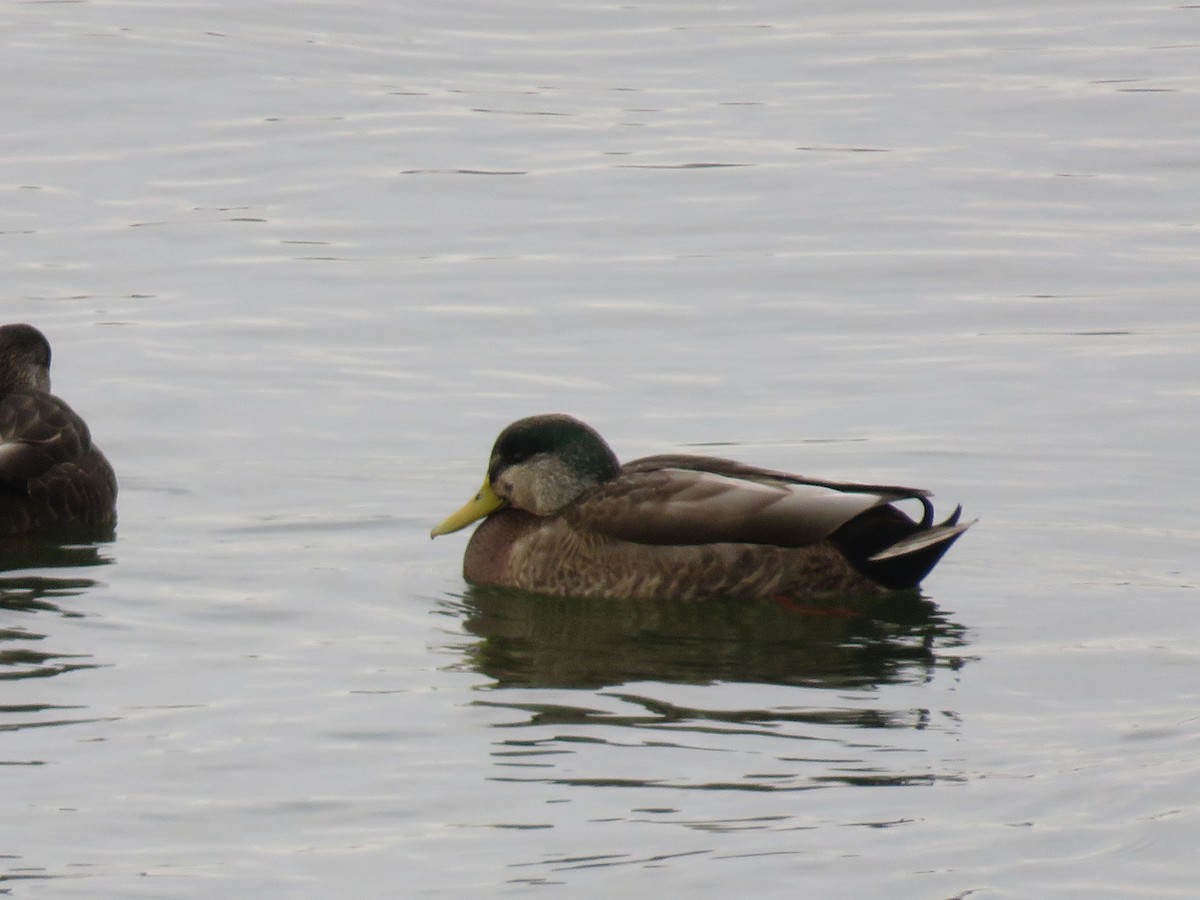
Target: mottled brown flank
510	548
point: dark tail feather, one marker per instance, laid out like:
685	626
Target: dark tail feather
891	549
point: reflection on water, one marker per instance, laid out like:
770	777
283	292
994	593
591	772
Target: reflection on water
528	640
634	695
24	652
656	742
19	657
59	551
655	712
786	694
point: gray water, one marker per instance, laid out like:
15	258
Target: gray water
300	262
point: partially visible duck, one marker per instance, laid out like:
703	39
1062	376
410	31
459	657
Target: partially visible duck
52	476
562	516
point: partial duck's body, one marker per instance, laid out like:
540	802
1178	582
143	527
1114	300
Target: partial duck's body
52	477
564	517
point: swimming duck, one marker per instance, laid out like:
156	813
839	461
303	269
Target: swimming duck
562	516
51	474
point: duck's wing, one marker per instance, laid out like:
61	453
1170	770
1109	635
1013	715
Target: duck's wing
703	500
734	469
37	432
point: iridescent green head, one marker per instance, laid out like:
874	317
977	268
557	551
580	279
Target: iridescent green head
539	464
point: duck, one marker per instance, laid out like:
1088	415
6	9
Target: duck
562	516
52	476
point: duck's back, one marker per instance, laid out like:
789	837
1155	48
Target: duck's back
51	474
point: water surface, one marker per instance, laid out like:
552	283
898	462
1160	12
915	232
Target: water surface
301	262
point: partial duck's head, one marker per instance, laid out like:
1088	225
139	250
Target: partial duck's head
24	359
539	464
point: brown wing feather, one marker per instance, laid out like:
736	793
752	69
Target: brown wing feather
734	469
37	432
691	500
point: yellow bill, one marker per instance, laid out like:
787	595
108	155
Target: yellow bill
482	504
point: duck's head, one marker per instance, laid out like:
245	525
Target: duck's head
24	359
538	464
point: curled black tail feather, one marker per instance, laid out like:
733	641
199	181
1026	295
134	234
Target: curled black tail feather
891	549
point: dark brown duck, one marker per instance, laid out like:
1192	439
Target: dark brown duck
52	477
562	516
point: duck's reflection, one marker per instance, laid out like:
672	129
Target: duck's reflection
527	640
31	587
61	550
